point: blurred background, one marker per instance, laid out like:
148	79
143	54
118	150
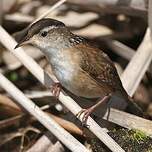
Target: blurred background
116	27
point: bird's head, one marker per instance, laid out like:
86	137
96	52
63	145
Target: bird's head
45	33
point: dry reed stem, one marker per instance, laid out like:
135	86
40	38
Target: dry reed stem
66	138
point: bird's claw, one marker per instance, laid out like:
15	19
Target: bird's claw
86	113
56	89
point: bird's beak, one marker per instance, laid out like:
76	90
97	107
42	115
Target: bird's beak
22	42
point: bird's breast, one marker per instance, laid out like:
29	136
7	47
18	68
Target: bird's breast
64	72
64	67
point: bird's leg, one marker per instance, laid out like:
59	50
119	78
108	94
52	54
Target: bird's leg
86	112
55	89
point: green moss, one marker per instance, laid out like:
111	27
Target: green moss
138	135
13	76
129	140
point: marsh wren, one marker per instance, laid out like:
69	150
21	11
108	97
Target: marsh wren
81	68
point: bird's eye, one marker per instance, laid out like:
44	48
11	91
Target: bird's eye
44	34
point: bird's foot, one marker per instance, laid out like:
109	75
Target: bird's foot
56	89
85	113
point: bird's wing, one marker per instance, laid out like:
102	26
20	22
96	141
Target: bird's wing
99	66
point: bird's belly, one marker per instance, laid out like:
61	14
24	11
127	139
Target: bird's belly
64	76
78	83
74	79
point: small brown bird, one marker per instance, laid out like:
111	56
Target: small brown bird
81	68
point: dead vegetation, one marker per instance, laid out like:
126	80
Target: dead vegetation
123	30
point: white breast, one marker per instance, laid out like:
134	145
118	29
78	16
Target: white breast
63	67
64	71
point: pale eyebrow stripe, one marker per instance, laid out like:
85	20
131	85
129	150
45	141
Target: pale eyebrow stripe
49	28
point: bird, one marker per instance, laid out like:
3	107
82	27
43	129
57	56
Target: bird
80	67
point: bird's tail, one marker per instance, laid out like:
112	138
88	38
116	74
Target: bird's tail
134	108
